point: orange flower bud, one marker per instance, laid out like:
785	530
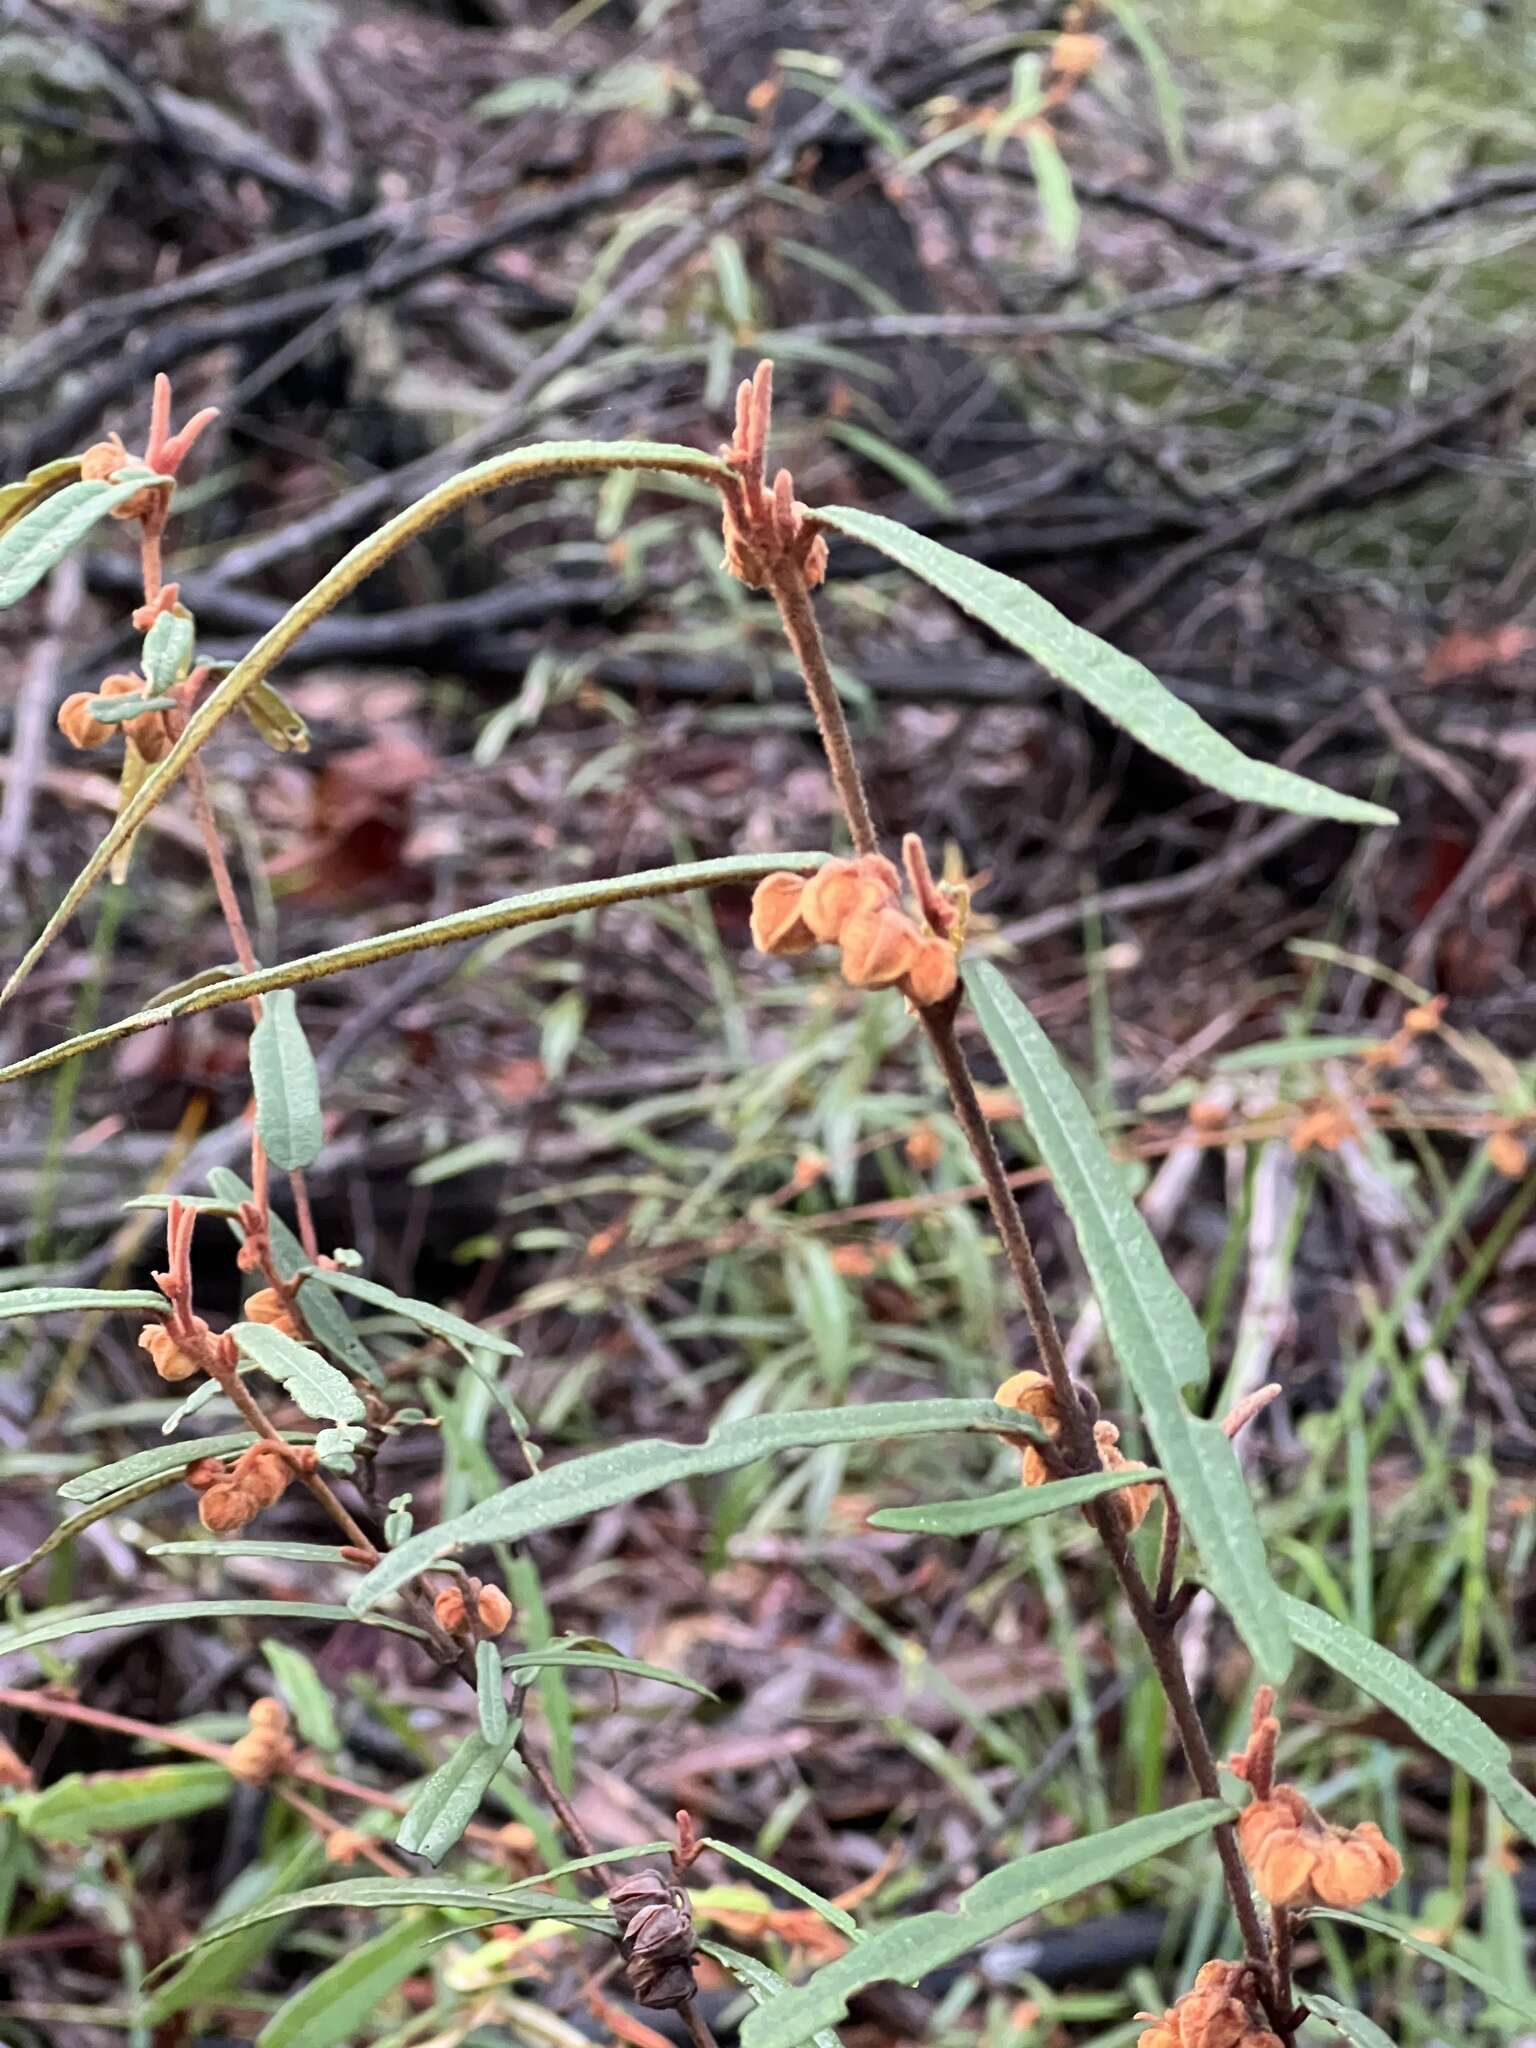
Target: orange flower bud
1031	1393
263	1472
344	1845
77	724
843	888
265	1747
933	972
494	1610
103	459
171	1362
1297	1859
1131	1502
449	1610
777	926
1357	1866
205	1472
1506	1155
879	947
923	1149
225	1509
267	1306
267	1712
1216	2014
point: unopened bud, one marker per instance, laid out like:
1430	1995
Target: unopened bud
344	1845
103	459
777	926
205	1472
264	1472
494	1610
78	725
449	1610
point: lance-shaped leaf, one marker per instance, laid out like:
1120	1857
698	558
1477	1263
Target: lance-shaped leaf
1114	683
161	1461
52	1301
539	907
54	1628
1004	1510
571	1657
1517	1998
118	710
582	1486
548	459
911	1948
31	546
318	1388
467	1337
168	649
1356	2028
287	1085
1450	1729
29	492
446	1804
333	2009
764	1983
490	1693
84	1804
1151	1325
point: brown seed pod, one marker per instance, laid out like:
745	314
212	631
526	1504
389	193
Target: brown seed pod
777	926
656	1938
933	973
170	1360
494	1610
879	947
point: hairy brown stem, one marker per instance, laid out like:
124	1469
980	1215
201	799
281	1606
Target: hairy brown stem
698	2027
1155	1625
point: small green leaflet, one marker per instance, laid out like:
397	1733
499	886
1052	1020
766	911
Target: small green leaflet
30	547
75	1808
1497	1992
1114	683
34	487
1151	1325
446	1804
114	710
764	1983
425	1314
1451	1730
333	2009
833	1915
168	649
581	1486
1059	209
287	1085
490	1695
56	1627
908	1949
244	1546
564	1657
1359	2031
1003	1510
50	1301
318	1388
274	720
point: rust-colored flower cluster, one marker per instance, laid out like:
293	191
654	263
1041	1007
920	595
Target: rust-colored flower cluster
1032	1394
147	733
1216	2014
268	1306
229	1496
266	1746
765	527
489	1605
856	905
1295	1857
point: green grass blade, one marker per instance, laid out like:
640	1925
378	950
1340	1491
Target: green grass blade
163	1614
1003	1510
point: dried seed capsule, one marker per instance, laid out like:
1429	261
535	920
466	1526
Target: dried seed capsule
777	926
933	973
170	1360
842	888
879	947
494	1610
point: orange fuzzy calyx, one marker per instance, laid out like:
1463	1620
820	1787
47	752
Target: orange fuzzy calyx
843	888
265	1748
856	905
267	1306
1296	1858
170	1360
1216	2014
778	925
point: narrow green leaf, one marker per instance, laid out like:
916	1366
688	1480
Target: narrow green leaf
333	2009
32	544
1451	1730
1003	1510
274	720
910	1948
287	1085
242	1546
490	1694
915	476
537	908
168	649
55	1628
558	1657
467	1337
205	1976
450	1799
1053	187
1114	683
522	465
318	1388
34	487
114	710
833	1915
393	1894
84	1804
1518	1999
304	1689
1156	1336
764	1983
581	1486
162	1459
1354	2026
50	1301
